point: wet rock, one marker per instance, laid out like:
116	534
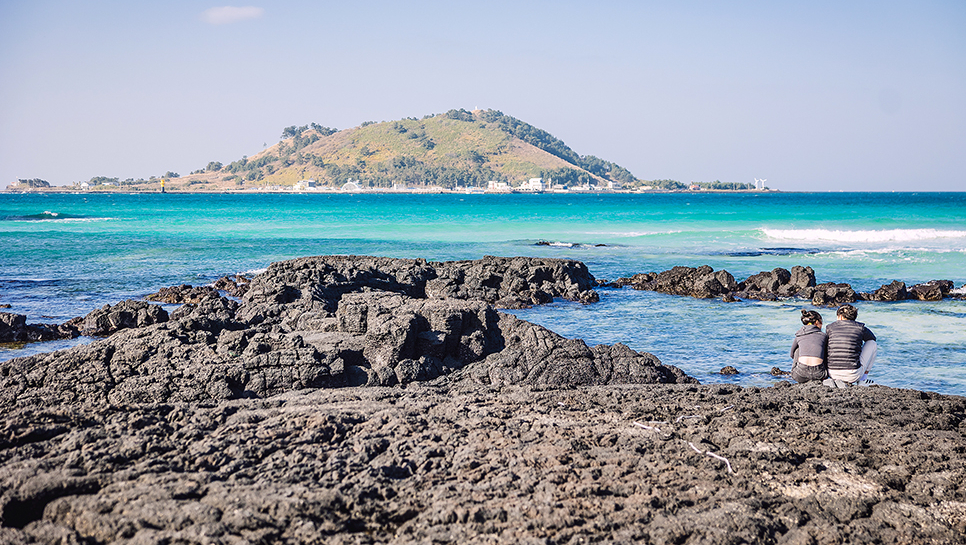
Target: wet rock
831	294
934	290
14	328
895	291
233	286
778	372
728	370
705	283
700	282
183	294
777	283
332	322
108	319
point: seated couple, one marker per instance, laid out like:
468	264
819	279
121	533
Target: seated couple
841	356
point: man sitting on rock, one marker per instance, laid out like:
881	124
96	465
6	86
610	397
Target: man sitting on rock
851	350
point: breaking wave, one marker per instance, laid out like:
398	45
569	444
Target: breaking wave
887	235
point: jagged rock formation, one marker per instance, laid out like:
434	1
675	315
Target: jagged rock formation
705	283
934	290
455	461
232	286
238	422
333	322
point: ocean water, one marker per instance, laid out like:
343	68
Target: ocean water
65	255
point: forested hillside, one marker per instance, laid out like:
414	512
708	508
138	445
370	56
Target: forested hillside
456	149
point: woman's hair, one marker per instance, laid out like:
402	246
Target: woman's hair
811	317
848	312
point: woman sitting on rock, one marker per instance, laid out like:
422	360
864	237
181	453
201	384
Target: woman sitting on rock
808	349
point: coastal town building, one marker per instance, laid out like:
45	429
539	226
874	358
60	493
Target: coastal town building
533	184
498	187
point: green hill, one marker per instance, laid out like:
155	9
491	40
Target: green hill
455	149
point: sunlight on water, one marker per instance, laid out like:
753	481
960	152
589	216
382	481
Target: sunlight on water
702	336
66	255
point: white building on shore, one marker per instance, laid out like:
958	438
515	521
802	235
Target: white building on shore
498	187
533	184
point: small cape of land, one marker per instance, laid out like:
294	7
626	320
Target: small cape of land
374	400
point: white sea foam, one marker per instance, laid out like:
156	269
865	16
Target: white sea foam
886	235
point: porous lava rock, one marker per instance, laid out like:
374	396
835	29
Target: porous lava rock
454	460
894	291
934	290
331	322
705	283
180	295
14	329
700	282
370	400
831	294
777	283
128	314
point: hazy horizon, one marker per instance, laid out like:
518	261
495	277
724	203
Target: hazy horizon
861	96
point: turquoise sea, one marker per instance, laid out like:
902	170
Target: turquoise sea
63	255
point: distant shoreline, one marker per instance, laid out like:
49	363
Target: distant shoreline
438	191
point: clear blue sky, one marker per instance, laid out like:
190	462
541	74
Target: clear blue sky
820	95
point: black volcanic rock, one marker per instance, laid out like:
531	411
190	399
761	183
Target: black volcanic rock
894	291
777	283
449	461
700	282
333	322
180	295
934	290
831	294
14	328
108	319
270	421
706	283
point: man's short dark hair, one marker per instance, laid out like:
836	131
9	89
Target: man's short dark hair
848	312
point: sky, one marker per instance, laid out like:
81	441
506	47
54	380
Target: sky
811	96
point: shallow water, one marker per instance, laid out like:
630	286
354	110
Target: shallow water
66	255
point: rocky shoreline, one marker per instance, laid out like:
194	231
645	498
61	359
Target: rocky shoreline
347	399
706	283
